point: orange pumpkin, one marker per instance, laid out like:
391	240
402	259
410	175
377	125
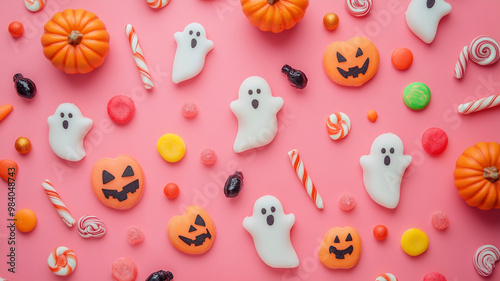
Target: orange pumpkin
351	63
274	15
118	183
341	248
476	175
75	41
192	233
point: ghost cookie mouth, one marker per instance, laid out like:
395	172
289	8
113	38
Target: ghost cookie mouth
387	158
255	104
65	123
194	42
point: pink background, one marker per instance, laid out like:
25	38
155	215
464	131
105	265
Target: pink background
241	50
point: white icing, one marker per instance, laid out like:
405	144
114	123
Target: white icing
424	21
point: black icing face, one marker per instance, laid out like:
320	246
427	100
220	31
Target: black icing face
199	239
129	188
195	35
65	119
352	71
430	3
255	102
270	216
340	253
386	153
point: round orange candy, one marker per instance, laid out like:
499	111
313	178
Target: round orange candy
331	21
402	58
372	115
25	220
16	29
380	232
171	190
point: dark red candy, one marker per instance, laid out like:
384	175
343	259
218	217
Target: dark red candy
295	76
233	185
160	275
24	86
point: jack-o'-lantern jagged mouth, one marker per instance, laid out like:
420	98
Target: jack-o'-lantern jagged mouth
355	71
198	241
339	254
122	195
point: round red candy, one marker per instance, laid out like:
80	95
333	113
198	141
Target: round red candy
121	109
208	156
402	58
124	269
440	220
347	202
189	109
434	276
16	29
380	232
171	190
434	141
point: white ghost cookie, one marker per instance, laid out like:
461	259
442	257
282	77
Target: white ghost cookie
192	48
67	129
256	111
423	16
270	230
383	169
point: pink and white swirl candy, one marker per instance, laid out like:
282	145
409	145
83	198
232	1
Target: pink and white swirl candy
485	258
484	50
358	8
34	5
461	65
157	4
91	227
386	277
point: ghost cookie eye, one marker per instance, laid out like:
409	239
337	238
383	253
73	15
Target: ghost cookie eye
258	91
391	150
263	211
250	92
383	151
198	34
273	209
430	3
190	32
62	114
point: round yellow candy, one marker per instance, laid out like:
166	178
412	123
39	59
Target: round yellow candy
171	147
414	242
25	220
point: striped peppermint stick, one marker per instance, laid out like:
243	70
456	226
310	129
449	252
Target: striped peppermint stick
139	59
479	104
58	203
299	168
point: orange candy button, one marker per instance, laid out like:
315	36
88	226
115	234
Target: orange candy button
341	248
402	58
8	169
118	183
25	220
193	232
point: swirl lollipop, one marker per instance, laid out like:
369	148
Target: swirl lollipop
485	258
358	8
484	50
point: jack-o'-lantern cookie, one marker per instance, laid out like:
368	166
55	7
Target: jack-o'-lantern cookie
341	248
193	232
351	63
118	183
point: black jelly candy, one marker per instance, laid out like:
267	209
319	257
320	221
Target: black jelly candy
24	86
233	185
160	275
295	76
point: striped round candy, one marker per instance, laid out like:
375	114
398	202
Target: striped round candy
34	5
484	50
338	125
358	8
91	227
62	261
157	4
485	258
386	277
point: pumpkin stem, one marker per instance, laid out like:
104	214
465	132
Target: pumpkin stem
74	38
491	174
271	2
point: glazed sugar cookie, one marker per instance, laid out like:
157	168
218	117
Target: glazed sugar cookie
192	48
67	129
270	230
351	63
256	111
338	125
423	16
193	232
118	183
383	169
341	248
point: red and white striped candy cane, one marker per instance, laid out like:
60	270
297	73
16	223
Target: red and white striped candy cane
58	203
479	104
304	178
139	59
463	58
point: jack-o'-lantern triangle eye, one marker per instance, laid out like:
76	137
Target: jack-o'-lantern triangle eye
340	58
337	240
348	238
107	177
199	221
192	228
129	172
359	52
